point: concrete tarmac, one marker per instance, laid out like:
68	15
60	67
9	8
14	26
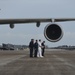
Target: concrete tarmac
55	62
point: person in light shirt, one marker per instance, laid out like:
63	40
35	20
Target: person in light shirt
39	54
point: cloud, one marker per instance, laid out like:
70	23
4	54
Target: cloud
19	38
69	35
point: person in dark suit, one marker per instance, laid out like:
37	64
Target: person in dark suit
31	47
43	48
36	48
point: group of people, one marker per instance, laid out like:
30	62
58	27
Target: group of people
37	48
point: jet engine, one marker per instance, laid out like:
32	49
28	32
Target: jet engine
53	32
11	26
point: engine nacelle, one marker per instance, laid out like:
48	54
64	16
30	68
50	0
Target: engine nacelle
11	26
53	32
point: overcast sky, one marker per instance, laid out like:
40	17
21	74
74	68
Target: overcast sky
22	33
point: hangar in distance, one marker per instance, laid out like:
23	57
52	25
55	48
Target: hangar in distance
52	32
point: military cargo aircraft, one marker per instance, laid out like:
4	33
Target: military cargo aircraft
52	32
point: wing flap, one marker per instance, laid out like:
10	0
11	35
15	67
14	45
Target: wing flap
64	19
15	21
9	21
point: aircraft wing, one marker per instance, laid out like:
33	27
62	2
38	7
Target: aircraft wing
15	21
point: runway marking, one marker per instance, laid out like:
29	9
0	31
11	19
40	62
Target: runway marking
65	62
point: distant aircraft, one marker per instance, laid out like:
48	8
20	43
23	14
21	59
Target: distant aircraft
52	32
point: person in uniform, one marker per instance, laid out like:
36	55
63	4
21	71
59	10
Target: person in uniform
43	48
39	54
35	48
31	47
